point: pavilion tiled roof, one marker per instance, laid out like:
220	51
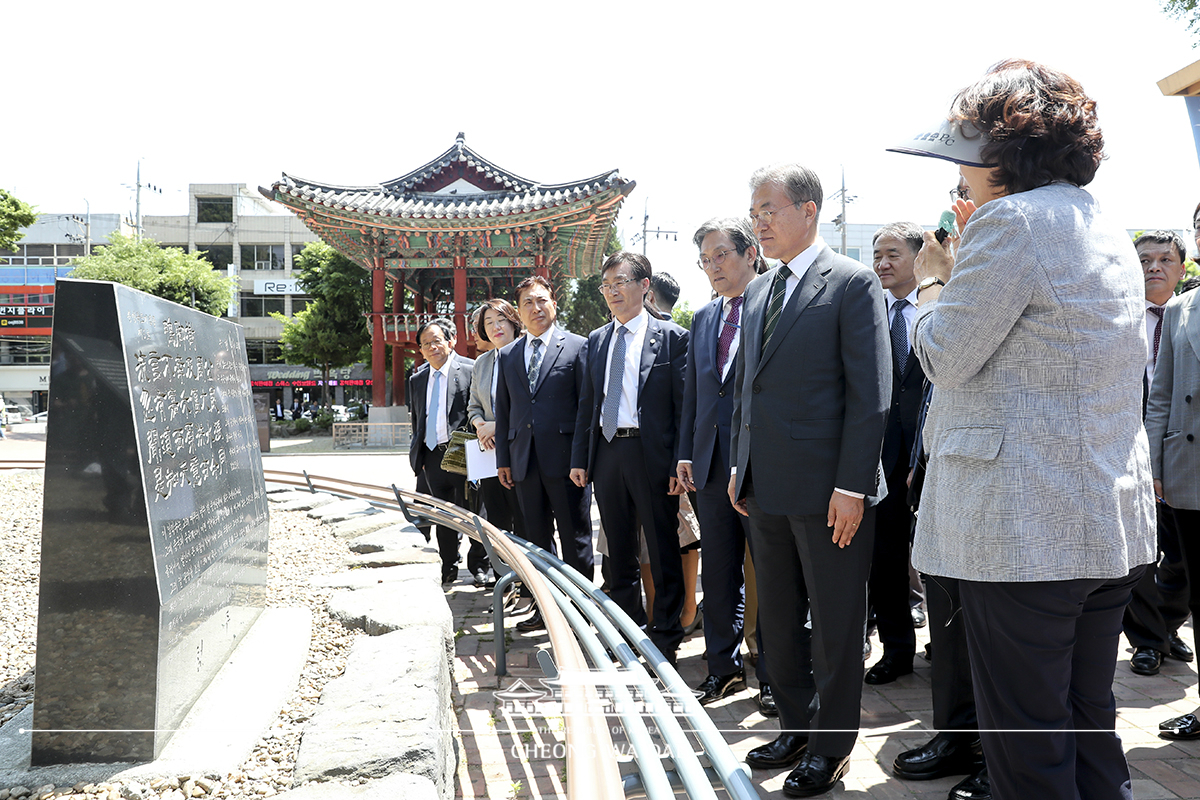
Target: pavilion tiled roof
416	195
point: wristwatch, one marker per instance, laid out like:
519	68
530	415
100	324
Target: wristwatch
930	281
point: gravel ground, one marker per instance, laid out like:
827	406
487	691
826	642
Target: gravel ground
299	549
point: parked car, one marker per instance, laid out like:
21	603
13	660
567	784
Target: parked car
39	417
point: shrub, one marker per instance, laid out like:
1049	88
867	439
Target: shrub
302	425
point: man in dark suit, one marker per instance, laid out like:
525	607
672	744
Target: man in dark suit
537	394
625	443
810	408
729	257
895	253
438	397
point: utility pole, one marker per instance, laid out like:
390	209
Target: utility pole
87	228
646	232
839	221
138	200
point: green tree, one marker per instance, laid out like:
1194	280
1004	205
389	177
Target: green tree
14	215
166	272
1187	11
332	332
682	315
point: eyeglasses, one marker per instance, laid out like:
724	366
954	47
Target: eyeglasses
765	216
433	345
705	263
959	193
615	286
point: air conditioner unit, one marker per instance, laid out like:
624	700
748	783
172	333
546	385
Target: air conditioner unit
263	265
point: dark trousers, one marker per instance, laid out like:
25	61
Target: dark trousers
502	509
1160	600
888	587
723	533
628	496
816	675
950	669
449	487
549	501
1187	526
1042	659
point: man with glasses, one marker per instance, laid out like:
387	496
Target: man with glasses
537	393
625	444
730	259
438	395
813	385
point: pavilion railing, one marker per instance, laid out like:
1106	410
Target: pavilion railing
367	435
407	324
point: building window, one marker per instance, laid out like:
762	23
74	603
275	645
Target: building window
262	256
219	255
214	209
25	350
255	306
299	303
262	351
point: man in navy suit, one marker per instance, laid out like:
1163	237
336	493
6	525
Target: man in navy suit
895	254
730	258
809	412
625	437
438	397
537	393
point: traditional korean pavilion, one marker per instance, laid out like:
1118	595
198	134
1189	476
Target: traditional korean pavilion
453	232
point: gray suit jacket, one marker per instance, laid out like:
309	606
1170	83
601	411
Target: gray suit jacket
1039	469
1173	412
809	413
480	406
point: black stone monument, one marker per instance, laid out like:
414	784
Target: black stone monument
154	529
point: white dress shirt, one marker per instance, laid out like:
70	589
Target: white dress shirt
635	337
799	267
443	426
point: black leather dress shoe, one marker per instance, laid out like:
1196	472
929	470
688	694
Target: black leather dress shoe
766	701
449	574
1179	649
1145	661
973	787
919	618
1180	728
716	687
534	623
785	751
815	775
944	754
888	669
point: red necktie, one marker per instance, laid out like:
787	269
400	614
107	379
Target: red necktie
729	329
1158	312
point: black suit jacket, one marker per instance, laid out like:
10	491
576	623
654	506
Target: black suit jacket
905	408
660	396
707	400
809	412
459	395
541	422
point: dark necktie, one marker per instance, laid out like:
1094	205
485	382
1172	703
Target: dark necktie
899	335
535	363
612	393
775	306
1158	312
728	330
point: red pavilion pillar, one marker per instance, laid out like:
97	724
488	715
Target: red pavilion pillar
539	266
397	351
460	304
379	396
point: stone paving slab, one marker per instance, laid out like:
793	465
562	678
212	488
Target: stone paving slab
342	510
356	527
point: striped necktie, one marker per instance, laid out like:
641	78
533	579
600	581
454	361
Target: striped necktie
612	393
775	306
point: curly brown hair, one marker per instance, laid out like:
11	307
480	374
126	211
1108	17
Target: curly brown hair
1040	124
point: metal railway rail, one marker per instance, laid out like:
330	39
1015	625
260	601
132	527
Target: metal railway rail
578	616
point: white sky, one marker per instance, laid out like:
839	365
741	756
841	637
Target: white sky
685	98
